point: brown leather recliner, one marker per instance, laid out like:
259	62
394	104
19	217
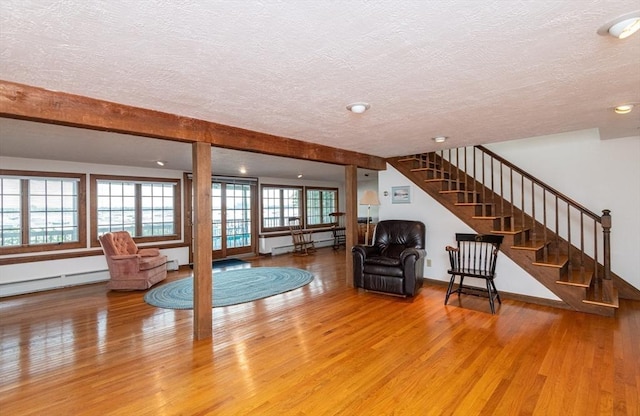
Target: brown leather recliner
395	262
131	268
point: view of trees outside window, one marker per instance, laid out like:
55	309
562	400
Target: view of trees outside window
51	215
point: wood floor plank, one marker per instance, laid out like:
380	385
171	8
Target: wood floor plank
323	349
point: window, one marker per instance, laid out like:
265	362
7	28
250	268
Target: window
149	209
279	203
320	203
41	211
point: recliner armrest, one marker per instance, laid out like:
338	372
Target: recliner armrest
365	251
411	251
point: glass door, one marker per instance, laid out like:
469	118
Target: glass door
232	218
233	212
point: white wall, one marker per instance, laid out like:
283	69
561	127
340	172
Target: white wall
595	173
36	276
441	227
598	174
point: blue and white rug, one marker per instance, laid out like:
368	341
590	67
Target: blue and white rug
231	287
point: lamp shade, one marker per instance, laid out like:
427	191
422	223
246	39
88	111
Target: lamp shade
369	198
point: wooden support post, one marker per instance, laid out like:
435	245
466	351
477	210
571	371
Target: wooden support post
351	223
202	244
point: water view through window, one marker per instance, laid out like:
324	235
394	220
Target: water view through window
51	213
142	209
237	214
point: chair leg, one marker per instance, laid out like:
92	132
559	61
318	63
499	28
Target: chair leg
491	295
497	293
446	298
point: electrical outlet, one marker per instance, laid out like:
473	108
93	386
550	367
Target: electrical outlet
428	262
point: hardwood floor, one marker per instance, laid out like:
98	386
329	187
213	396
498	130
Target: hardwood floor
324	349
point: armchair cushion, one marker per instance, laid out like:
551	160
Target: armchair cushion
148	252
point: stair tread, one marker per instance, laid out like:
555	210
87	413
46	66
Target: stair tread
532	245
509	232
594	298
553	261
580	278
408	159
574	281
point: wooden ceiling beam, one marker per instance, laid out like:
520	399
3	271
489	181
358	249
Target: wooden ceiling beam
38	104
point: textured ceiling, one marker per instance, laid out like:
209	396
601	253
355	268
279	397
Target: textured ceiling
475	71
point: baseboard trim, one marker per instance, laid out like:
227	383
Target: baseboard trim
514	296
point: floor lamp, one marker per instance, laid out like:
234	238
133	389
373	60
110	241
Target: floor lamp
369	198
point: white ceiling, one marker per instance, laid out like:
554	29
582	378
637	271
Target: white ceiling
475	71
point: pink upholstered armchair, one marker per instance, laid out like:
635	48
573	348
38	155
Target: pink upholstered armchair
131	268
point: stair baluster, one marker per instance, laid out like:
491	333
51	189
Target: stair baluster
446	174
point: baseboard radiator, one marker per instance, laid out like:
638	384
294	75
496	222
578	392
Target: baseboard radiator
52	282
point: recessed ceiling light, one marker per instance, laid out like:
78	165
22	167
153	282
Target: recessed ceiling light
160	162
622	27
623	109
299	175
440	139
358	108
243	170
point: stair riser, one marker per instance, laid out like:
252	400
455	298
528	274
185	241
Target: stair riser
466	197
548	276
522	237
502	224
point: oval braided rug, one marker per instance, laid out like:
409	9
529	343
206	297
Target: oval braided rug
231	287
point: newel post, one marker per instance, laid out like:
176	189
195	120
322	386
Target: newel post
606	234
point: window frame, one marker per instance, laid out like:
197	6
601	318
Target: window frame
138	181
281	188
24	177
306	201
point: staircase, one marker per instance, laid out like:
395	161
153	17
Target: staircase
560	243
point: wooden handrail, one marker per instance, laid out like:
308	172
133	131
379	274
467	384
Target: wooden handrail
463	177
540	183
